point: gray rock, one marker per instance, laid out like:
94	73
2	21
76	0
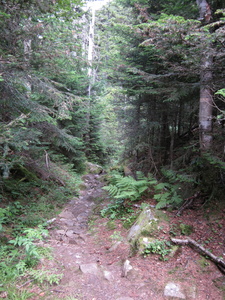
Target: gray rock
70	234
83	186
68	223
91	268
66	214
108	275
93	168
126	268
87	177
173	290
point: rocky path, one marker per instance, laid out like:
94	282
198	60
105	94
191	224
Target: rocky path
96	263
87	274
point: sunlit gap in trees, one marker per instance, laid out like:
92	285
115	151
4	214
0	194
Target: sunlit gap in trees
95	4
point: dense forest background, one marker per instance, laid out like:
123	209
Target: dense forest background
164	68
150	99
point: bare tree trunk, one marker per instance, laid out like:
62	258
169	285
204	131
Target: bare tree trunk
90	74
206	102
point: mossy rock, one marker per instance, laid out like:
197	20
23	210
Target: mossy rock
144	226
83	186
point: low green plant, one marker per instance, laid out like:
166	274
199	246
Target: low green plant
186	229
14	293
42	275
167	195
116	236
26	242
177	229
163	248
170	193
116	210
126	187
174	230
3	217
129	220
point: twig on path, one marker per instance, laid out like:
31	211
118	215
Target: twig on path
25	283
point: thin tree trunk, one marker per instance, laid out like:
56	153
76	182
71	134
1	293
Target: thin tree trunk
91	79
206	102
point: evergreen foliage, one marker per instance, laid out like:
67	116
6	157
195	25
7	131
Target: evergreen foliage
44	86
154	53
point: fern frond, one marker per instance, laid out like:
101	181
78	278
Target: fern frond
142	189
161	204
127	187
112	189
162	186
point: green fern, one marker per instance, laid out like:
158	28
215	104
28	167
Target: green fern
121	187
167	195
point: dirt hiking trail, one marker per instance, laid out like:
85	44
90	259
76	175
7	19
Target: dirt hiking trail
97	264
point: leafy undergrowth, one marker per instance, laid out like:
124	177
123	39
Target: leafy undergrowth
25	211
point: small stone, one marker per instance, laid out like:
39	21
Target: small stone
126	268
91	268
173	290
66	215
51	221
70	233
108	275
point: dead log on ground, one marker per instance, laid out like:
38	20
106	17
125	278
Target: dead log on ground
189	242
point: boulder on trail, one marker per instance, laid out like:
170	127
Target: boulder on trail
142	228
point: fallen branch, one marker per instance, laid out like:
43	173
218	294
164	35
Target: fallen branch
189	242
187	203
26	283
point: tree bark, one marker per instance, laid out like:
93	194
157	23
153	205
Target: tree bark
206	102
